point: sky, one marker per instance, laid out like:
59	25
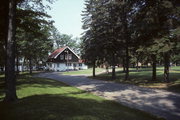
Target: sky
67	16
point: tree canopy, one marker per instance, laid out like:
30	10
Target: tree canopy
126	32
23	23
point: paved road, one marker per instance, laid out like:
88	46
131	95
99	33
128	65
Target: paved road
158	102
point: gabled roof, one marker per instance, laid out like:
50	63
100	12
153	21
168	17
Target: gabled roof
56	52
59	51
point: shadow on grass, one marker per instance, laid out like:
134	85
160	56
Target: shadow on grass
38	82
29	81
26	80
174	88
58	107
142	76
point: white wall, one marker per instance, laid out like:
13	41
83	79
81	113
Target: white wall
63	67
83	67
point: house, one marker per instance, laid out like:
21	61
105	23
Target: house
64	59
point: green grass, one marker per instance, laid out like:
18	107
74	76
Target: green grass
143	78
83	72
45	99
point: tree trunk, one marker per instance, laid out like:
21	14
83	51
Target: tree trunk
124	67
107	69
17	64
127	63
17	61
167	56
137	67
23	65
94	69
127	39
10	55
113	67
133	65
30	65
166	67
113	72
153	67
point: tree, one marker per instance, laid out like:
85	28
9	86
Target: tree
119	28
88	37
160	16
33	36
61	40
10	54
9	19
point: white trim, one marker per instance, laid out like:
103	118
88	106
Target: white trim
73	52
70	50
63	67
60	52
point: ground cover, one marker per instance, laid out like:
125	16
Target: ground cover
45	99
83	72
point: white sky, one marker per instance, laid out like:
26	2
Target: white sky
67	16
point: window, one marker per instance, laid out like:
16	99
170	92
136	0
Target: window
57	64
62	57
80	64
50	64
69	56
66	56
68	64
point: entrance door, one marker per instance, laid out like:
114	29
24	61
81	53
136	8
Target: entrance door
74	66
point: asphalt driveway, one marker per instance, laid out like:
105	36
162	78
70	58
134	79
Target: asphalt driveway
158	102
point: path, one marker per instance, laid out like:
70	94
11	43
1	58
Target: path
158	102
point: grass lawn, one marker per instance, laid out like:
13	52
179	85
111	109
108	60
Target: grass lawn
83	72
143	78
45	99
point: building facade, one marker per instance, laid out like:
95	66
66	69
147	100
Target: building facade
64	59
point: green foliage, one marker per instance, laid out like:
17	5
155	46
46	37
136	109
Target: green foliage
31	19
62	40
34	47
136	30
99	36
87	72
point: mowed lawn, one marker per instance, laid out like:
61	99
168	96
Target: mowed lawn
142	77
45	99
84	72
